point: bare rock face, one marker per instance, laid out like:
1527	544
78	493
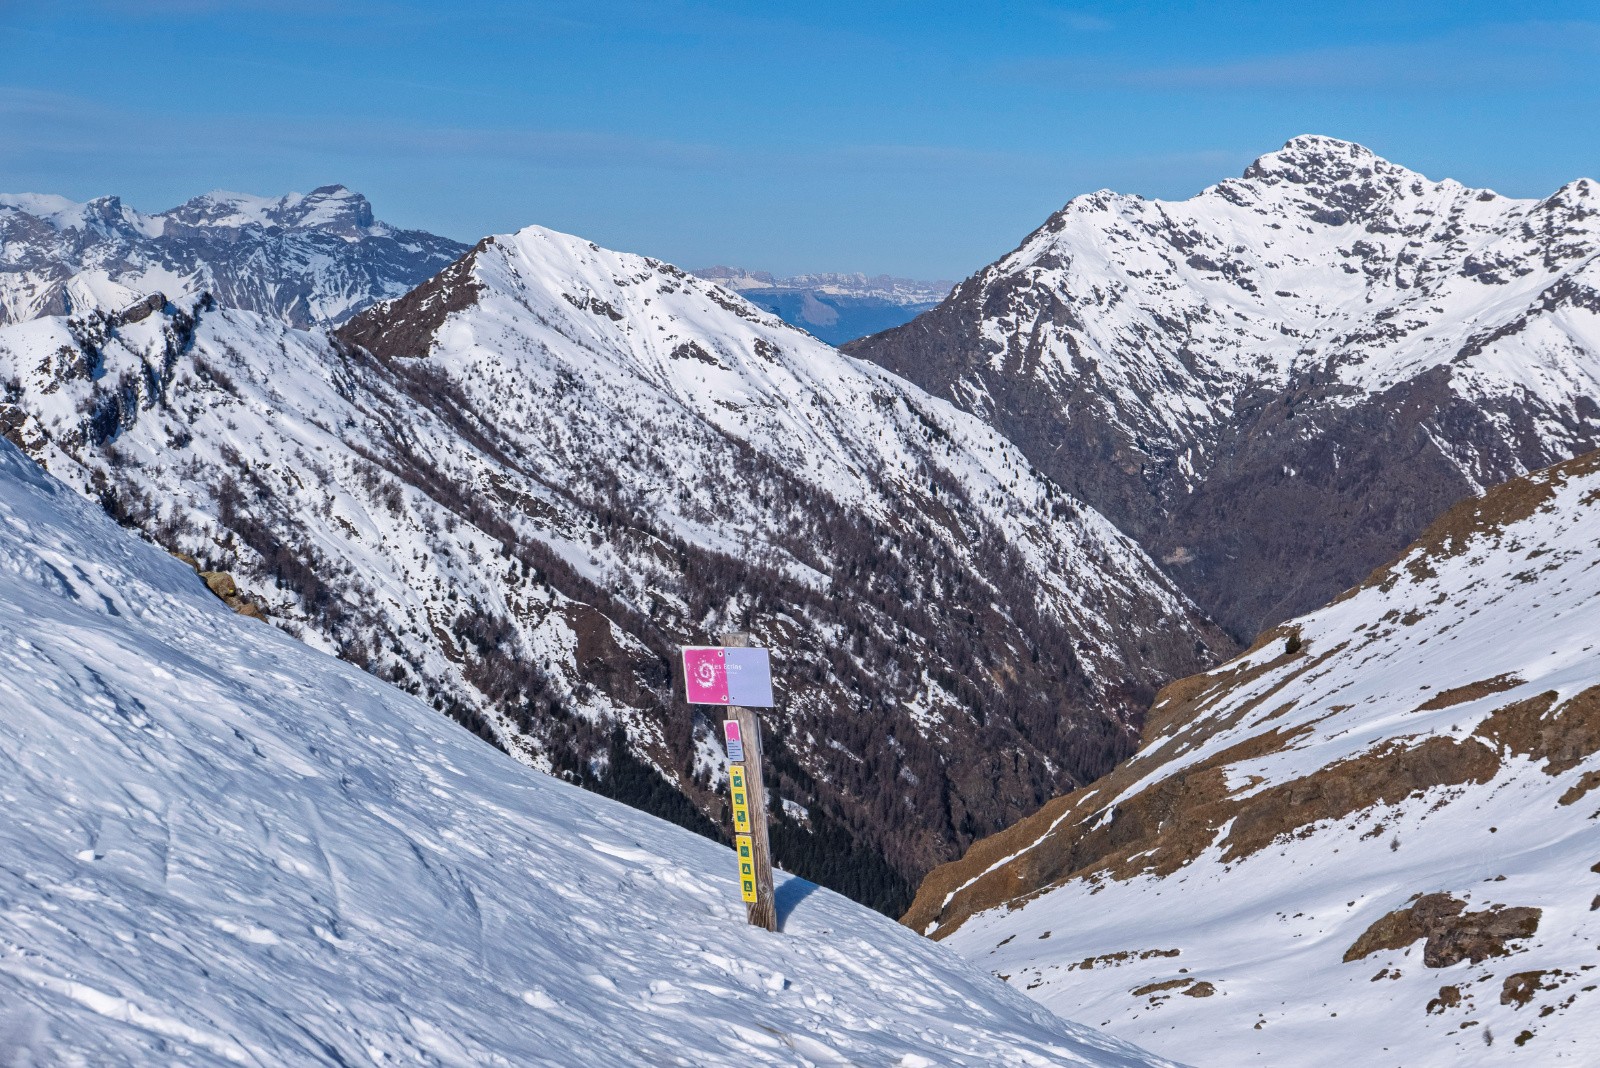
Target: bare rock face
1452	933
1276	385
306	259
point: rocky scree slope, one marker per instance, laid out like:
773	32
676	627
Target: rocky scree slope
304	258
1275	385
516	490
222	847
1371	839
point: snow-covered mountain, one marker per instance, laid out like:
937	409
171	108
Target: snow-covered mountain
222	847
1370	840
834	307
1277	384
518	488
304	258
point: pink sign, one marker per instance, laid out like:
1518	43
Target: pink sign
705	675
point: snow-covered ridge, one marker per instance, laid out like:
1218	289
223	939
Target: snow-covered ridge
1385	811
225	848
514	490
304	258
1330	337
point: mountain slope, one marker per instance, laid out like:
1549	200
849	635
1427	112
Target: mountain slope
517	489
304	258
1385	811
1276	384
224	848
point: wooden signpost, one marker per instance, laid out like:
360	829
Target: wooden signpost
721	676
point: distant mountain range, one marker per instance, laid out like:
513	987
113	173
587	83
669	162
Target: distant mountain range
1275	385
304	259
833	307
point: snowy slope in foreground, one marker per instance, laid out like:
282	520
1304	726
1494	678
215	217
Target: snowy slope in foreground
223	847
1380	848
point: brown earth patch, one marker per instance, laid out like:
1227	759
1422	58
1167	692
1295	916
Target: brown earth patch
1449	997
1563	739
1519	989
1384	776
1200	990
1470	692
1590	780
1156	988
1451	934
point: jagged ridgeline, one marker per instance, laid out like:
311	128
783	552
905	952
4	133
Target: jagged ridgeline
518	489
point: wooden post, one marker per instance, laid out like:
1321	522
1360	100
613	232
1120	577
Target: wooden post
763	911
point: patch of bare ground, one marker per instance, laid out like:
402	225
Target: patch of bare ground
1520	988
1449	997
1563	737
1451	933
1187	986
1121	957
1470	692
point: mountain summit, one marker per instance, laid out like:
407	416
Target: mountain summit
1276	384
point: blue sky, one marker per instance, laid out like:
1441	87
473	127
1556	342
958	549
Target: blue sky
921	138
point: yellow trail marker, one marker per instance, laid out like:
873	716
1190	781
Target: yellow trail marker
747	866
739	795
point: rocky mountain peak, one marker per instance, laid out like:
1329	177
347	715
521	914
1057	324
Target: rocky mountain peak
305	258
333	209
1335	181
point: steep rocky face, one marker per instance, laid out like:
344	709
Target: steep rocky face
1275	385
517	489
305	259
1385	810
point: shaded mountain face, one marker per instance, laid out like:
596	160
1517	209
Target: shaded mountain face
305	258
222	847
1275	385
517	489
835	308
1384	812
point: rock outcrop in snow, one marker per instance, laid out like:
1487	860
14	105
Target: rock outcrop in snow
1274	386
1369	840
518	488
304	258
222	847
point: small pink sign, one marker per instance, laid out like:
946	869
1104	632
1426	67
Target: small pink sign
705	675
